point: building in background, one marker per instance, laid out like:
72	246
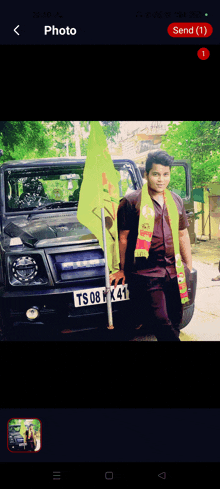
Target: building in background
137	138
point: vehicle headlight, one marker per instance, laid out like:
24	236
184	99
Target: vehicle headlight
24	269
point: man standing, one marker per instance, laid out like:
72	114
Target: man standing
155	253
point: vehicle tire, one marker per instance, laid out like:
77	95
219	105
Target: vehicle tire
187	316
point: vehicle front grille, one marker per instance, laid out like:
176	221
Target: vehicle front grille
18	439
77	265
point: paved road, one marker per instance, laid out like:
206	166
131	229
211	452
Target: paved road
38	445
205	324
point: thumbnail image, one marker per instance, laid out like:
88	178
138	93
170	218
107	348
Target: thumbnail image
24	435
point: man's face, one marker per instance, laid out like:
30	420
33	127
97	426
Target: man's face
158	178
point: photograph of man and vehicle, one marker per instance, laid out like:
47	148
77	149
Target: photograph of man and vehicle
24	435
110	230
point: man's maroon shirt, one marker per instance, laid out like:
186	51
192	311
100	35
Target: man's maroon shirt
161	254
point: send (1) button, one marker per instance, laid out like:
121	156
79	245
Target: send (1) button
190	29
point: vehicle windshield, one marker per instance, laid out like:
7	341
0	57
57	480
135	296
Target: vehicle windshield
14	428
30	188
33	188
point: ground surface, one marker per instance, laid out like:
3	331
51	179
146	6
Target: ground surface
205	324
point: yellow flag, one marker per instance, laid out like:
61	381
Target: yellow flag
100	189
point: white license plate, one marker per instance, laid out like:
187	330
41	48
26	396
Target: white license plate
91	297
21	444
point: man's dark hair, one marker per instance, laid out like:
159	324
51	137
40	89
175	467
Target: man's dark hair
159	158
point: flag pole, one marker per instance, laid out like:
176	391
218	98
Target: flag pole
107	282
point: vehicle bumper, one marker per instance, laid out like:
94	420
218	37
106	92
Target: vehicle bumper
56	308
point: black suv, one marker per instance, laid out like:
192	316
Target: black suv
15	440
52	269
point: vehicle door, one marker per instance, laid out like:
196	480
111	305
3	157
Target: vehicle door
181	184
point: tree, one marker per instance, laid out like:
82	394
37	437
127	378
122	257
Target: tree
13	421
110	128
61	134
36	425
23	140
199	142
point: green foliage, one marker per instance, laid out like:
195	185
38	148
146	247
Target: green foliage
22	140
23	422
199	142
84	146
178	181
85	125
110	128
59	132
13	421
36	425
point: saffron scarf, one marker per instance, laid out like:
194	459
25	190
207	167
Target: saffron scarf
145	233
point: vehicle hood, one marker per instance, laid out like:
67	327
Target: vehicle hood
47	230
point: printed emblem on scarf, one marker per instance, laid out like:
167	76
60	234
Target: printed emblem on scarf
142	244
178	260
180	277
146	233
145	226
147	212
185	294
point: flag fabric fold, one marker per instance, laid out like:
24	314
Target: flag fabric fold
99	190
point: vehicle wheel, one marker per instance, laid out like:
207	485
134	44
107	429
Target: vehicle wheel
187	316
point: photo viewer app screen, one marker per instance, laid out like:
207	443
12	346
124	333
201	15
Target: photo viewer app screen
113	410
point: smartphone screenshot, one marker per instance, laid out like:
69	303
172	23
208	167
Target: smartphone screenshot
109	244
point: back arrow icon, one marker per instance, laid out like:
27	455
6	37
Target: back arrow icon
162	475
16	31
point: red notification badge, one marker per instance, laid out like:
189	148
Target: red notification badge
203	53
